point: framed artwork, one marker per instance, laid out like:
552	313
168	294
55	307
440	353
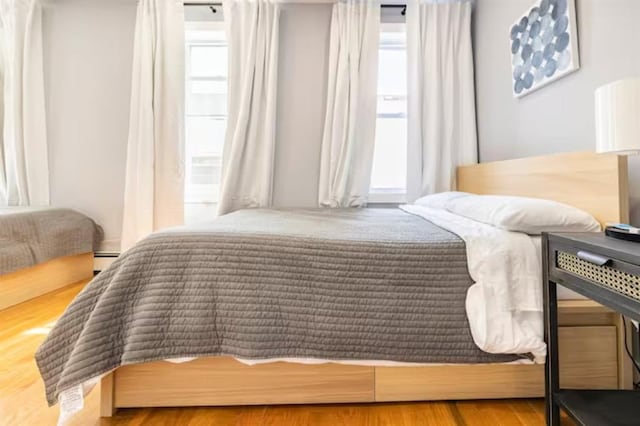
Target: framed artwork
544	45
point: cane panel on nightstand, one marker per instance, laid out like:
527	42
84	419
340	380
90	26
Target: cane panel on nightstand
615	279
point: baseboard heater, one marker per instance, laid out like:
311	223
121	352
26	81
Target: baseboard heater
102	260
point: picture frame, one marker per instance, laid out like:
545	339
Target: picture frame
544	45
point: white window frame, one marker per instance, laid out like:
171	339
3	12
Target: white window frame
389	196
200	199
195	26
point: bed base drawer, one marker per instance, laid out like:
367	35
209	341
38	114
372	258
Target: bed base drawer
225	381
588	360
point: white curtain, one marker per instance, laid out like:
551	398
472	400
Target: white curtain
248	155
24	167
154	187
350	121
441	104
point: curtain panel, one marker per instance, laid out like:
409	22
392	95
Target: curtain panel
154	185
441	95
350	120
24	167
249	149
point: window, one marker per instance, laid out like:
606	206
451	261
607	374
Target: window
389	173
206	117
205	169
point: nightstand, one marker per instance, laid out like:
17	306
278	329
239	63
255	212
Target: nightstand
606	271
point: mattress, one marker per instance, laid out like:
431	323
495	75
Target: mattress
29	236
370	284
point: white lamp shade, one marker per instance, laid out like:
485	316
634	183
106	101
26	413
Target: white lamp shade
618	117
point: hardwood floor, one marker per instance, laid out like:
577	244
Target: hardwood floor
24	327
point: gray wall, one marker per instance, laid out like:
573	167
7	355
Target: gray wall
88	59
88	50
302	93
558	117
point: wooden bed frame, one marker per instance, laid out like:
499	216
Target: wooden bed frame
24	284
592	354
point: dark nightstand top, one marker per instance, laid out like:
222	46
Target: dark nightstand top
597	241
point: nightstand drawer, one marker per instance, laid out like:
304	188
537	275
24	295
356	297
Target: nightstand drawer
616	275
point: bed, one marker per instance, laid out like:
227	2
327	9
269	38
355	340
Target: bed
43	249
132	373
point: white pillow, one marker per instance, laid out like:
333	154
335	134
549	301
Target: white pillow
440	200
529	215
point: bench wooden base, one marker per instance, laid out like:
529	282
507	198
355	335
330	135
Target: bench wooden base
19	286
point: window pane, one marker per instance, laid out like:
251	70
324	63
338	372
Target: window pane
396	38
390	155
205	135
208	87
206	170
208	61
203	183
392	71
207	97
392	105
389	173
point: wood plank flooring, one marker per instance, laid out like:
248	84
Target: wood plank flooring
24	327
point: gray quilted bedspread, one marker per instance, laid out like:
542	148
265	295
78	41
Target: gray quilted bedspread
370	284
29	236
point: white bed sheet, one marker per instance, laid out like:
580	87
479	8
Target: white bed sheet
504	305
563	293
317	361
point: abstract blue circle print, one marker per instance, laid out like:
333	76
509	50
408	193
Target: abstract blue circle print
544	45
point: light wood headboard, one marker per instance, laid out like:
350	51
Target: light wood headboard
596	183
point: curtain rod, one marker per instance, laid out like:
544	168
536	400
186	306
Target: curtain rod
386	6
213	6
